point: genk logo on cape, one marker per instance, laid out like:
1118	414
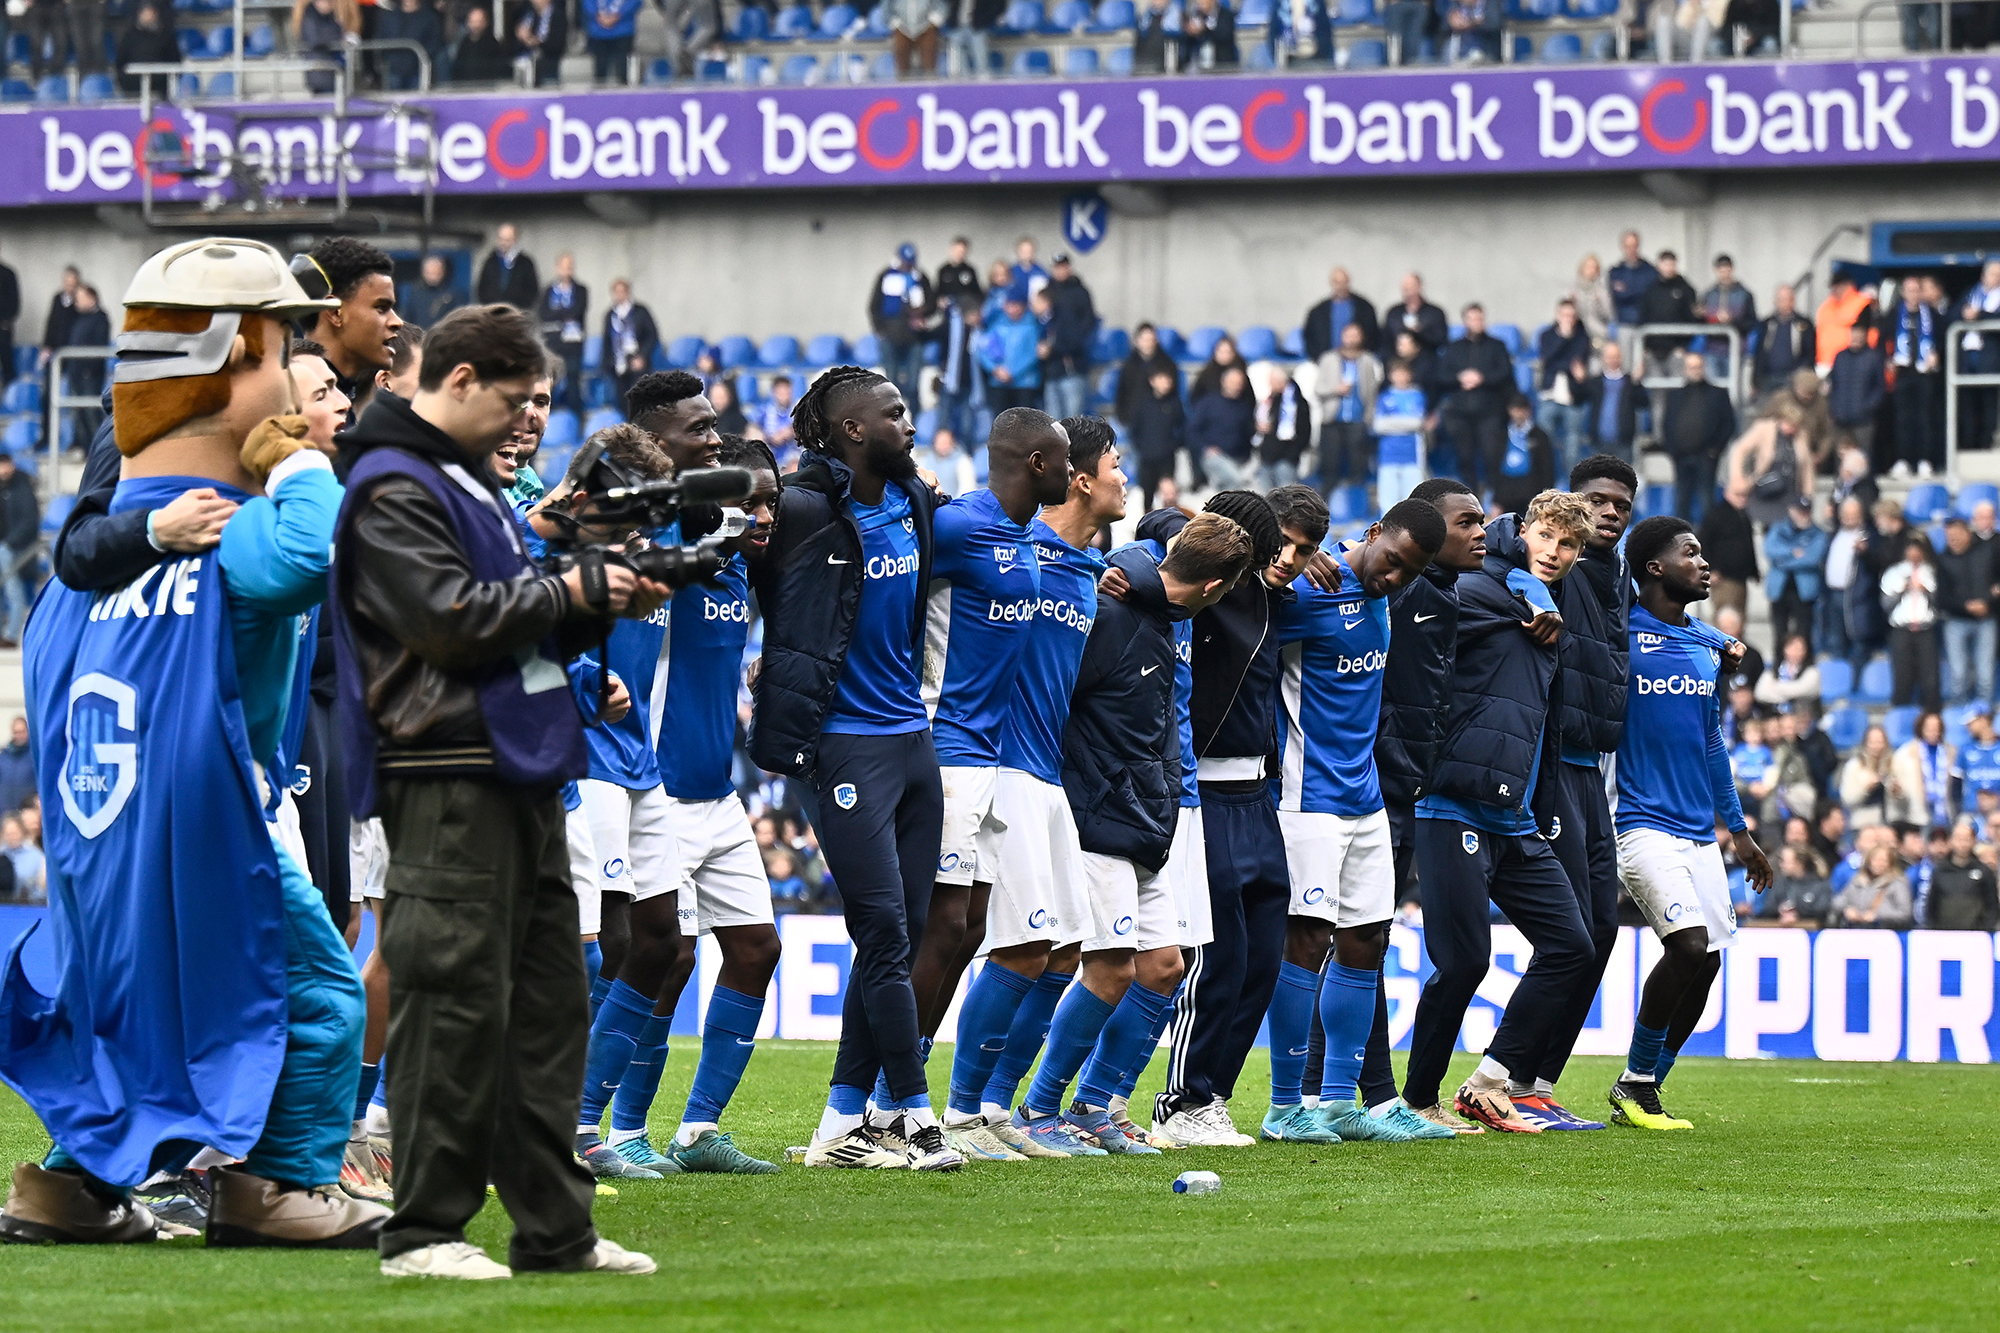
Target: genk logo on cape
845	796
101	768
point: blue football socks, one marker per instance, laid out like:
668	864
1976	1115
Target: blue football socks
381	1097
600	985
1078	1022
614	1040
1130	1078
1347	1012
1123	1044
1663	1064
991	1002
727	1040
634	1098
365	1092
1025	1036
1644	1060
1291	1019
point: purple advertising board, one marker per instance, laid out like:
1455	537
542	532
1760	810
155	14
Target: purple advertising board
1532	118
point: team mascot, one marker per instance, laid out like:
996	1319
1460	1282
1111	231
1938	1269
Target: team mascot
203	996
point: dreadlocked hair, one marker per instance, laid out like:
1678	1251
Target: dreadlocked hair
742	451
812	417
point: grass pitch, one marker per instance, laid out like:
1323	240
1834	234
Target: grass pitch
1810	1196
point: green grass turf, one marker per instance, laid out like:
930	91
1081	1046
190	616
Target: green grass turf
1810	1196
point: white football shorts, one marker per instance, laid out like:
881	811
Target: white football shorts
634	837
367	859
1187	879
1343	869
970	848
1038	892
1130	906
721	875
583	871
1678	883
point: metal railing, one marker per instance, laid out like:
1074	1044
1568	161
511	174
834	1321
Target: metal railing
1956	379
55	393
1877	6
1734	379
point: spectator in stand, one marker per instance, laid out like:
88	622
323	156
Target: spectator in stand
630	337
149	41
1481	375
788	891
542	34
773	419
1920	775
1855	480
1916	348
999	278
1965	599
1326	323
959	387
1399	419
1072	325
1795	548
508	277
1144	361
1729	620
25	858
1910	588
1785	342
17	766
691	27
1979	762
1528	464
1771	465
412	21
1151	37
1817	433
913	36
10	314
729	418
1696	425
1630	279
1921	27
1841	574
1209	378
608	29
1425	371
1799	895
1027	271
62	313
1208	36
899	311
430	298
1408	22
20	535
1864	779
1979	407
1565	353
956	279
1472	29
322	28
1879	897
84	378
1009	354
1729	303
1750	761
970	36
1670	300
1846	305
565	314
1963	892
1611	406
1793	679
956	471
1222	431
1757	22
1157	424
1982	524
1591	295
1284	425
1729	544
1348	380
1416	316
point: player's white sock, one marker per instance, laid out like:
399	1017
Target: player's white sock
832	1124
879	1118
1310	1101
1381	1109
920	1117
994	1113
1491	1076
618	1136
1119	1108
691	1130
963	1119
1629	1077
378	1120
592	1130
208	1157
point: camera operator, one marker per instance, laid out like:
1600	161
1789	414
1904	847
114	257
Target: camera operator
460	730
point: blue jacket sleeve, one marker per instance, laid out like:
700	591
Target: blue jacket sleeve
1721	777
276	548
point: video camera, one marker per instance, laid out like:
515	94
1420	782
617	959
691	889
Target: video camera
639	504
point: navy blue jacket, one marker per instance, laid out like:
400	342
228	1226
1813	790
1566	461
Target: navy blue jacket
1416	684
96	548
809	590
1121	766
1504	686
1594	600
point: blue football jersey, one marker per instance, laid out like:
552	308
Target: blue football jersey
1979	766
1052	651
1673	769
693	710
622	751
1333	648
879	693
985	581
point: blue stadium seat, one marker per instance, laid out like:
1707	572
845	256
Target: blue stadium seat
867	350
27	358
748	390
1875	682
1927	502
752	25
1253	14
1901	724
756	70
22	434
1836	679
735	352
53	89
1369	54
20	48
17	90
1593	9
799	70
221	42
1524	48
193	41
600	391
222	85
660	361
57	514
1293	344
658	72
1107	384
1119	61
879	25
1352	13
1540	9
1524	375
684	352
1110	346
882	69
598	420
833	24
794	23
1562	46
1603	47
1022	16
593	351
552	461
1114	16
564	430
1257	343
1072	16
712	71
1972	493
96	88
778	352
1845	727
1079	62
1201	343
1258	57
187	87
1172	343
1349	504
262	41
1032	63
927	424
826	350
23	396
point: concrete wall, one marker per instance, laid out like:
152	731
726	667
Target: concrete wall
1231	255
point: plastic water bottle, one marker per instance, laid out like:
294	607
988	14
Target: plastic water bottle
1197	1182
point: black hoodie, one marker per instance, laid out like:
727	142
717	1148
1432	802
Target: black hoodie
1416	684
1594	600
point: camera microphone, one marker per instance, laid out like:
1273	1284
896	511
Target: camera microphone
714	485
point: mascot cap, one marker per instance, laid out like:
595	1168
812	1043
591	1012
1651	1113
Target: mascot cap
224	275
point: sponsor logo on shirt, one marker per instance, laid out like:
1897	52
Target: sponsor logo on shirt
1003	558
1048	552
1363	662
891	566
1064	613
738	611
1676	685
1011	612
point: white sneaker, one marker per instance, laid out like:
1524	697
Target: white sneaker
977	1141
1900	471
928	1150
1217	1114
1192	1129
446	1259
854	1150
611	1257
1016	1141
